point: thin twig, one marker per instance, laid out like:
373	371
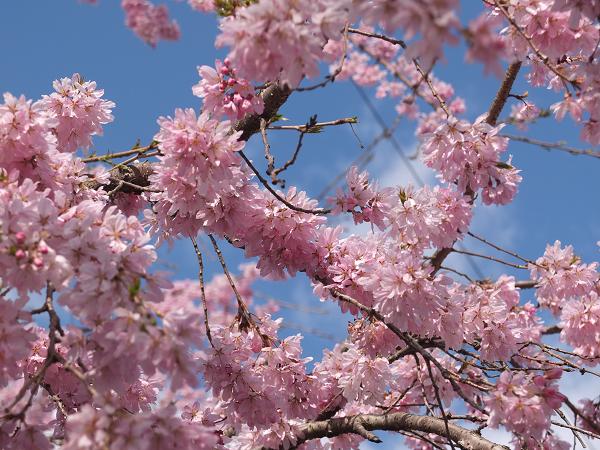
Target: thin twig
592	423
364	157
289	162
575	433
491	258
202	291
265	183
464	275
131	185
508	252
554	146
33	383
439	400
579	430
317	126
243	315
332	77
415	61
134	151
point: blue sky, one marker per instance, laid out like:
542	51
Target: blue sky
44	40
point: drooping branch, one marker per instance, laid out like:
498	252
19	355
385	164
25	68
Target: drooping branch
243	314
267	186
365	423
489	258
497	247
202	290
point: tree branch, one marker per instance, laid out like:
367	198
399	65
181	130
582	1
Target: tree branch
365	423
554	146
503	93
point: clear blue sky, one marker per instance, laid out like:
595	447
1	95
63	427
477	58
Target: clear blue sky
44	40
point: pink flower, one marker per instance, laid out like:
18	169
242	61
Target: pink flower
362	378
524	403
469	155
199	168
79	110
523	114
488	316
428	217
151	23
433	20
289	43
561	275
224	93
580	321
486	44
365	200
202	5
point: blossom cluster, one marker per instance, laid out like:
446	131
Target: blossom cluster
150	22
80	111
225	93
524	404
469	155
192	365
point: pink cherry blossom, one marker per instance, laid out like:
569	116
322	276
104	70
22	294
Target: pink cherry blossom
150	22
561	275
254	29
469	155
224	93
524	404
99	349
80	111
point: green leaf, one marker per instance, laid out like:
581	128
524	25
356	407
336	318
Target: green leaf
503	165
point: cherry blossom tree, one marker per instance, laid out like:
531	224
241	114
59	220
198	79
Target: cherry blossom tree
154	363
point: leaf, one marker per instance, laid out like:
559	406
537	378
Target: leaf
503	165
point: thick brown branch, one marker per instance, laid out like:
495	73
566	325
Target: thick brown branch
273	97
526	284
364	424
124	178
554	329
503	92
